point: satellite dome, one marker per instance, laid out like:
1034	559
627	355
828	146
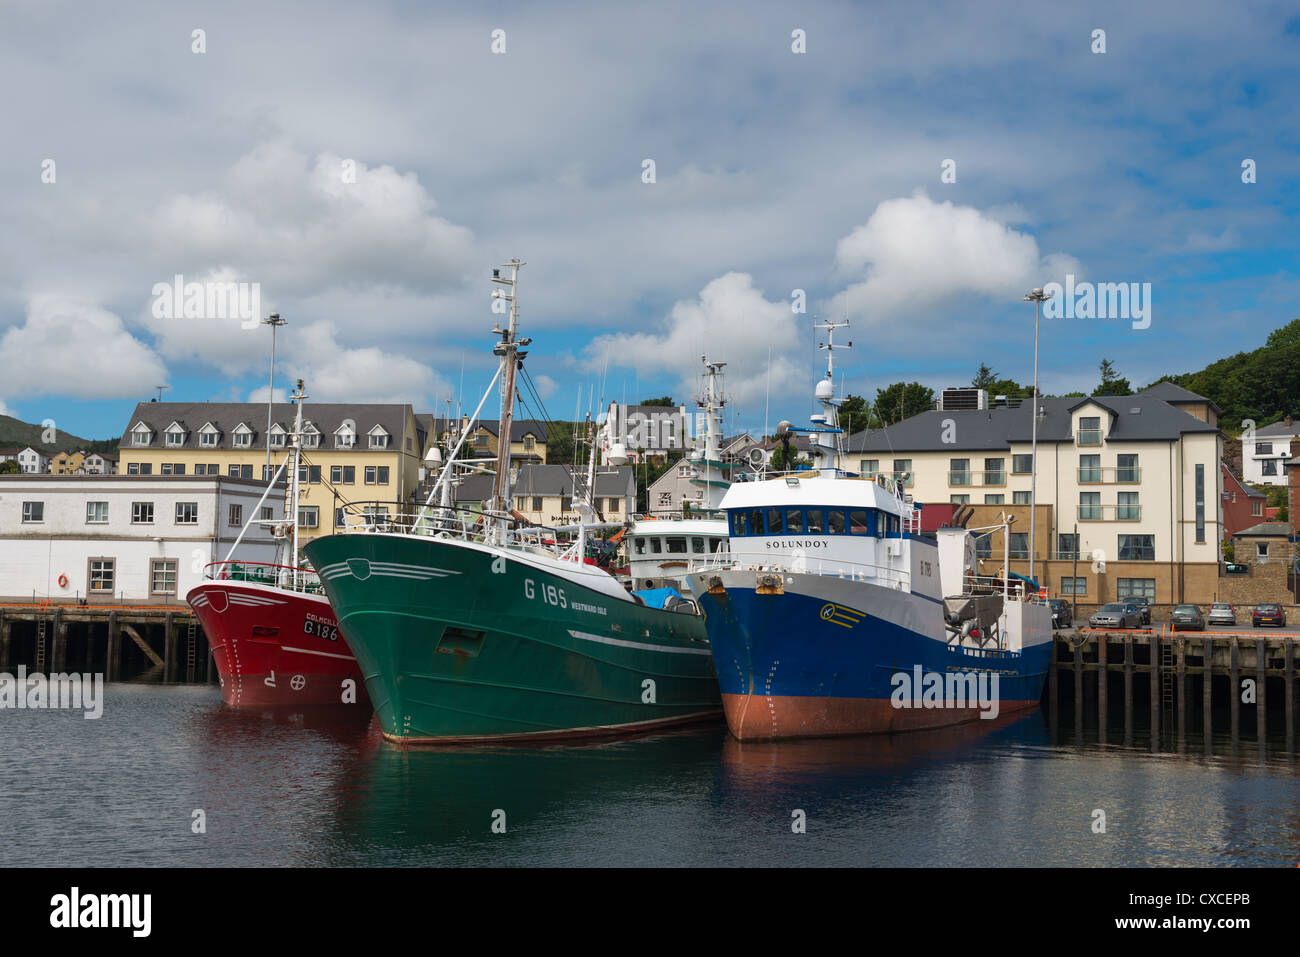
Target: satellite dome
825	389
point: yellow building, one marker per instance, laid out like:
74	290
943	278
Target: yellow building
352	454
67	463
527	438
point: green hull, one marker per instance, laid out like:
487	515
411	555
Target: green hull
455	652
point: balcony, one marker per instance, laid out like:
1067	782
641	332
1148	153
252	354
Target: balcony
1114	513
1109	475
1088	437
983	479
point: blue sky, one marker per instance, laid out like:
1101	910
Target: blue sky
774	171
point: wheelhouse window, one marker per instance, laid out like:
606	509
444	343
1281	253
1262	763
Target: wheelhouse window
774	524
816	519
861	522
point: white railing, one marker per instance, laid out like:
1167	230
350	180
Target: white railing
811	565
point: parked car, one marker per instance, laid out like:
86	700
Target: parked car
1143	605
1268	613
1236	568
1115	615
1222	613
1062	613
1187	618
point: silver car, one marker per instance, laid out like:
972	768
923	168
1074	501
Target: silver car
1116	615
1222	613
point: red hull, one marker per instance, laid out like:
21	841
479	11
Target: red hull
768	718
276	647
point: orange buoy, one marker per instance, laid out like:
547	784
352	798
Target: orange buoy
63	581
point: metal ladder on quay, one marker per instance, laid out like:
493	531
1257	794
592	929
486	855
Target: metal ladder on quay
1167	672
42	631
191	650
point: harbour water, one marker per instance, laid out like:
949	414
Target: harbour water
297	788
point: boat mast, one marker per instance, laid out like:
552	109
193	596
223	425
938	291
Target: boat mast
511	357
828	456
298	395
711	461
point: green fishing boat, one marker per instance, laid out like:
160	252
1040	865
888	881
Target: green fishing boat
475	627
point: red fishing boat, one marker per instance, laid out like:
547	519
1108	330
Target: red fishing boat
274	637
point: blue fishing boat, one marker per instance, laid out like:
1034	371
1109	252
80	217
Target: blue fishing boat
832	614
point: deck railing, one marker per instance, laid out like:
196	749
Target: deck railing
265	573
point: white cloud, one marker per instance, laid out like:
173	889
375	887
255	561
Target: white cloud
72	347
730	322
259	394
298	226
333	373
917	253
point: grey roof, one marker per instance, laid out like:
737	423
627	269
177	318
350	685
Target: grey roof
518	427
1172	392
1281	429
994	430
327	417
1266	529
1250	490
551	480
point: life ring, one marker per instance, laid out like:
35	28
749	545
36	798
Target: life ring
63	581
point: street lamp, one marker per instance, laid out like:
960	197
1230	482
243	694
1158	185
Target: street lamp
1037	297
274	321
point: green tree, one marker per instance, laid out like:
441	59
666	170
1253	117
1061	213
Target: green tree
559	442
1111	382
855	414
777	462
984	378
902	401
9	468
663	400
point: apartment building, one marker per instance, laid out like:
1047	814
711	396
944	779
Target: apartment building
646	431
68	463
352	453
1129	489
124	538
544	494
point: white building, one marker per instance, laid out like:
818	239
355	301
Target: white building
33	462
1263	457
125	538
100	464
647	430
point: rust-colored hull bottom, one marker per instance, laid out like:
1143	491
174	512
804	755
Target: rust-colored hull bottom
763	718
565	734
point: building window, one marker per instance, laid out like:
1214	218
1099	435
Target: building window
378	441
1067	547
869	467
140	437
309	516
1263	448
1019	498
1019	545
665	499
959	499
566	503
612	506
310	438
142	513
1136	588
1261	549
1089	468
33	511
236	515
343	474
480	441
903	471
1022	464
1127	468
995	471
994	499
1127	508
132	468
209	439
1074	586
277	440
376	474
243	440
162	576
240	471
1089	430
268	472
344	439
1268	467
175	438
96	513
309	474
529	443
1257	507
187	513
1137	548
959	472
984	546
1089	506
101	574
537	503
1200	504
267	513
